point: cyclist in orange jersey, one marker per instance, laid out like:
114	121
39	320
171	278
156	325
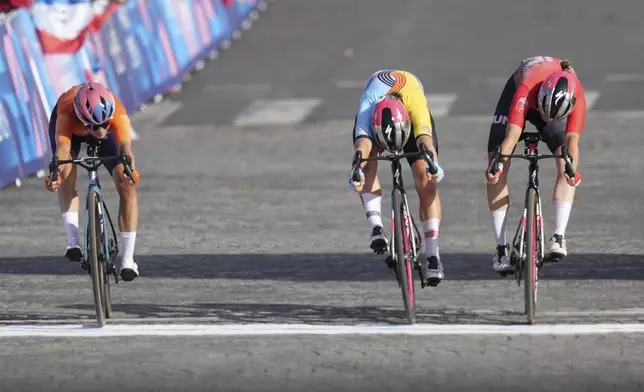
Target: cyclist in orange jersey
84	112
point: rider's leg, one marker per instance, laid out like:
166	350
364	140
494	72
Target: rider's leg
67	194
371	193
69	208
498	195
128	211
371	197
429	210
563	194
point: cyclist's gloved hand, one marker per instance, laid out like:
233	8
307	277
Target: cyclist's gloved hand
54	185
439	175
575	180
356	186
493	179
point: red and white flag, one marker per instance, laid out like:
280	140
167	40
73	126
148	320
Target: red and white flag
62	25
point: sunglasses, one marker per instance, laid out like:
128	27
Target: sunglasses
95	128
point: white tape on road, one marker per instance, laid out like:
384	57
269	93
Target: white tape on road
348	84
624	78
306	329
440	104
591	98
276	112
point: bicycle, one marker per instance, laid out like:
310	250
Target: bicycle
101	248
529	234
401	255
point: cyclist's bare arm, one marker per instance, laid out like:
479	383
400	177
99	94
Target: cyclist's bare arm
364	145
512	135
125	147
572	143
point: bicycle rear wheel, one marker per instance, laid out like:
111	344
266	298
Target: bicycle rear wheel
530	269
96	268
404	265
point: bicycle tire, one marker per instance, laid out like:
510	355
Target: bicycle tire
96	270
107	302
105	281
530	269
404	267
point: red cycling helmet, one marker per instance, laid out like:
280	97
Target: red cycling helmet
390	122
556	97
94	104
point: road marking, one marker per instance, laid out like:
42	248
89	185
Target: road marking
440	104
350	83
624	78
591	98
276	111
155	114
618	114
217	319
306	329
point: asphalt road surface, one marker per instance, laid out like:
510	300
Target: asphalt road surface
244	226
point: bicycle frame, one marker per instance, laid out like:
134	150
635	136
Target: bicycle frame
413	235
109	250
531	153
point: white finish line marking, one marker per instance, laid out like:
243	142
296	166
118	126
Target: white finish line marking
306	329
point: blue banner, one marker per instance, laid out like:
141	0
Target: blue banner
112	40
33	142
9	159
220	24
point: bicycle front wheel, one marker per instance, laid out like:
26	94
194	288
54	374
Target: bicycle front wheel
530	269
403	263
96	268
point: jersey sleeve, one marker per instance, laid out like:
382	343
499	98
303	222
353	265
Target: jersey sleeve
120	124
577	118
519	107
363	119
419	114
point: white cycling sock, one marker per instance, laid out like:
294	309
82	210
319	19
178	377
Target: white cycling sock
432	234
562	214
127	246
500	223
372	205
70	220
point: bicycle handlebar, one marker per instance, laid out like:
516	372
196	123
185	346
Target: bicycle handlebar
424	152
494	163
96	162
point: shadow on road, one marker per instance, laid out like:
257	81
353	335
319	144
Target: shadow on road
296	313
330	267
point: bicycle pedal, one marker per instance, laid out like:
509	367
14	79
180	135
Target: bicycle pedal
551	259
389	261
433	282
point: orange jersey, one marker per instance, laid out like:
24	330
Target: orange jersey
68	124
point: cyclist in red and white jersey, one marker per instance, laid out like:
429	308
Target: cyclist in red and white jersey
546	92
